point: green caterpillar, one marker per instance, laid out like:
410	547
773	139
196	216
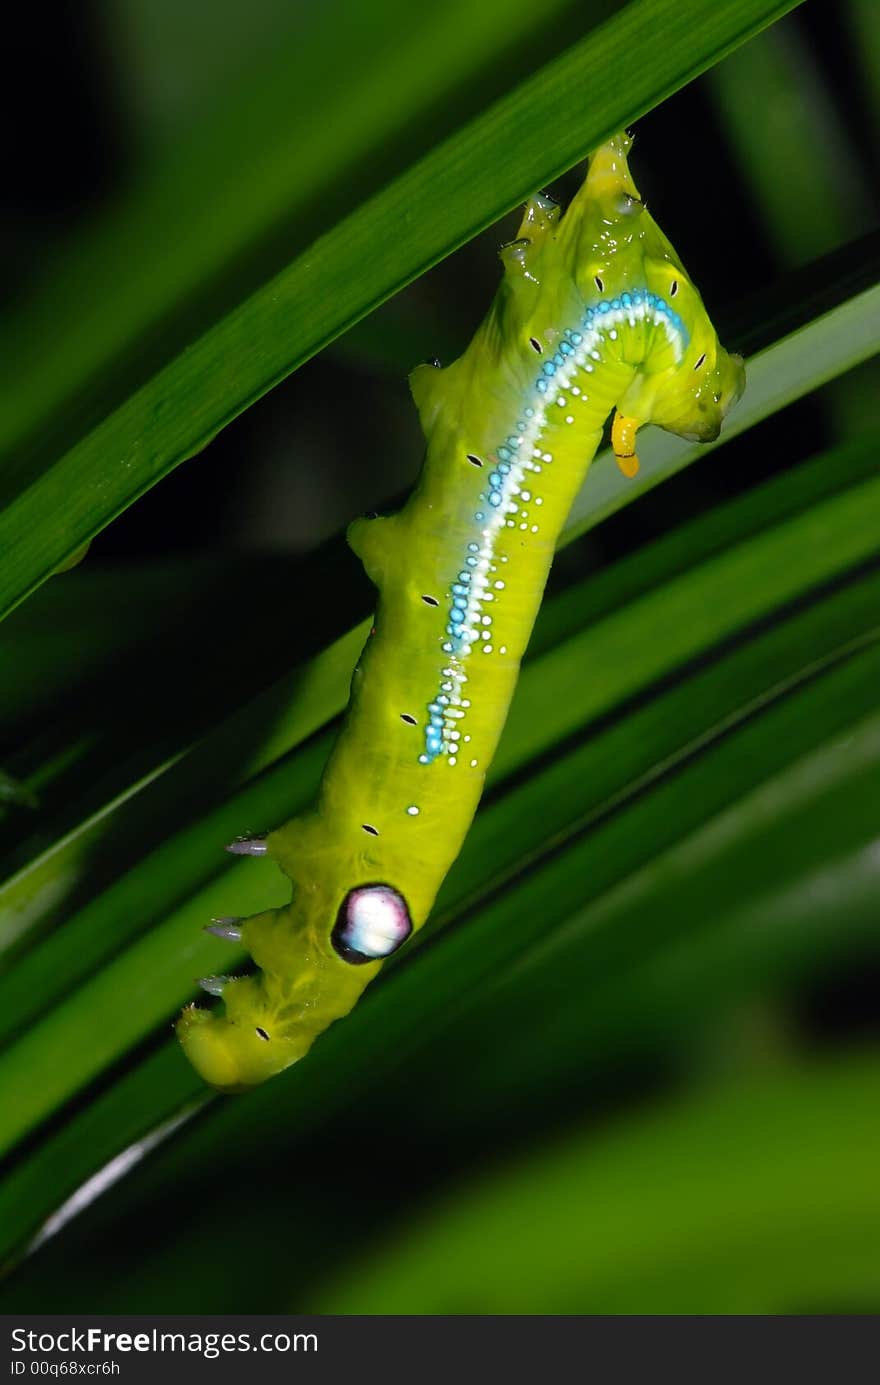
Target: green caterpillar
594	314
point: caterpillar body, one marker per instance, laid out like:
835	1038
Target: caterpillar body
595	314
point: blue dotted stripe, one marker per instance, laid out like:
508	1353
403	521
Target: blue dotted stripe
595	320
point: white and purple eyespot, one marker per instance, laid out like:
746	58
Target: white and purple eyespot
373	921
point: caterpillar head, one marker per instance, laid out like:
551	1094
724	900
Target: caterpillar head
688	387
698	413
685	382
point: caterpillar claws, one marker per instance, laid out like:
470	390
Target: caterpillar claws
225	928
247	846
214	985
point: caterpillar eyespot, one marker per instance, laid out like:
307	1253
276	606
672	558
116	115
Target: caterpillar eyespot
373	921
480	536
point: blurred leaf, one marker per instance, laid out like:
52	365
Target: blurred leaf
756	1199
11	791
804	180
861	19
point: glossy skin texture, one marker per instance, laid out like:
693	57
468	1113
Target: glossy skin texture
595	313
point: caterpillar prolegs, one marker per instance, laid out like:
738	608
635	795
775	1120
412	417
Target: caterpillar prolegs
594	314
